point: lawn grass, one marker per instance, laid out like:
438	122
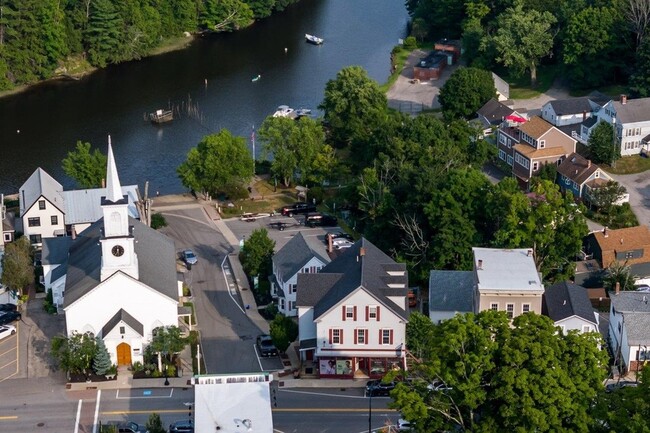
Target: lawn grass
520	87
628	165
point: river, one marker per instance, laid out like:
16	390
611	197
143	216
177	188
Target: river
39	126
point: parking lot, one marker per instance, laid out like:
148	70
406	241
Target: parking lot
9	358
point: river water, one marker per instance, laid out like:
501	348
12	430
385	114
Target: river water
52	116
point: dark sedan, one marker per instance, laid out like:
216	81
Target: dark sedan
375	388
7	317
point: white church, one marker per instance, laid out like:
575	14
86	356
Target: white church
120	280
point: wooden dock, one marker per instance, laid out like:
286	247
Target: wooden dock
161	116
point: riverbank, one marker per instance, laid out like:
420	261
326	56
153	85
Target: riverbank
169	45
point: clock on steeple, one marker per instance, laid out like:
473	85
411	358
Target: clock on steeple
117	250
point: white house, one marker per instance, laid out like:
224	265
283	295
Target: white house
629	329
352	315
46	210
120	281
568	305
562	112
54	258
41	207
297	256
631	119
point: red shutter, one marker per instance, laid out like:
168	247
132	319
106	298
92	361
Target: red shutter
380	339
330	336
390	333
343	309
341	334
365	335
354	314
356	335
377	313
367	313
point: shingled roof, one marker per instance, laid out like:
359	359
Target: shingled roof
156	261
626	239
635	306
362	265
40	184
451	291
634	110
577	168
295	254
494	111
123	316
571	106
535	127
564	300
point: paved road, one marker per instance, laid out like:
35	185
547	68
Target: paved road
227	335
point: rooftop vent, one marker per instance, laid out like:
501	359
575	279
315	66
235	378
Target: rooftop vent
480	265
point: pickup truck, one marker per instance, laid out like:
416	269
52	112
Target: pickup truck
298	208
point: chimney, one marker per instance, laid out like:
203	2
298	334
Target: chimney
576	171
588	163
480	265
605	231
330	244
618	287
584	116
621	241
529	253
362	251
103	183
623	99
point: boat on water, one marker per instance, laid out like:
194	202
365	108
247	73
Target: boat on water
284	111
256	78
314	39
303	112
161	116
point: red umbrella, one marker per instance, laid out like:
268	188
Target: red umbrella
517	119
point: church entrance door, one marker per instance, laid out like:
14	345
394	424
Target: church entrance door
123	354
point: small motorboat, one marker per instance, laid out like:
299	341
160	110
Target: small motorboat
314	39
161	116
303	112
284	111
254	79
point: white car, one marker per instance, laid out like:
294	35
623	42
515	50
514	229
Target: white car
643	288
340	244
6	331
404	425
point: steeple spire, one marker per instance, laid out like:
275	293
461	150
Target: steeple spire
113	187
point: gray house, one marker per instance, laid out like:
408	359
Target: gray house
568	305
450	293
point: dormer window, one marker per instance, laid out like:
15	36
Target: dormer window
542	144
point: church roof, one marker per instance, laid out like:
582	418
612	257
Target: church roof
156	260
113	187
83	205
123	316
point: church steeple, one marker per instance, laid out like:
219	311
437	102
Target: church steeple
113	187
118	247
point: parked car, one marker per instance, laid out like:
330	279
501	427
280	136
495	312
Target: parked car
8	307
298	208
404	425
9	317
340	244
126	427
320	220
189	257
6	331
375	388
643	288
611	387
265	346
183	426
337	235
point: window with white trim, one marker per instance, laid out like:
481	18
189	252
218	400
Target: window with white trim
522	161
361	336
502	155
525	308
336	336
542	144
502	138
510	310
586	328
509	160
292	288
349	312
386	336
494	306
34	222
535	166
372	312
41	204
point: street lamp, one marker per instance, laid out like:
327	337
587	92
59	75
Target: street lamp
370	411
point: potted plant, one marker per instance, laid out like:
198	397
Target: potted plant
111	372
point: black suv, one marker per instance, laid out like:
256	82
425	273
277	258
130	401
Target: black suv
298	208
8	307
126	427
9	316
376	388
265	346
320	220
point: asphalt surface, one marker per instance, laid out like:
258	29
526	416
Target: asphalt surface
638	186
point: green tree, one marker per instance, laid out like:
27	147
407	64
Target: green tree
420	332
482	365
103	34
466	90
640	79
603	145
607	197
17	265
283	331
221	163
75	353
225	15
102	361
353	104
257	253
168	341
87	168
620	273
551	224
523	38
154	424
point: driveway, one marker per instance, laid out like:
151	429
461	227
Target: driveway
638	186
